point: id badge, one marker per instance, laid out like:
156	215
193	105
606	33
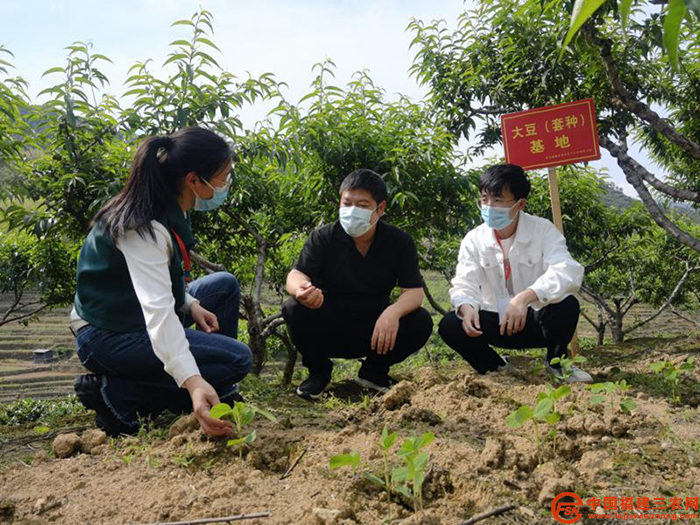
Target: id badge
502	303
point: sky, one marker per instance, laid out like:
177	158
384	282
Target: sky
283	37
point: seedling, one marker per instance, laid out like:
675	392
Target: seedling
545	410
566	366
413	471
242	415
672	374
407	479
611	391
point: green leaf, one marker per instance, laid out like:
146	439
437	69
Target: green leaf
672	29
597	400
583	10
345	460
53	70
220	410
627	405
182	23
236	443
552	418
179	43
542	408
400	474
374	479
560	392
404	490
425	440
625	7
265	413
208	42
518	418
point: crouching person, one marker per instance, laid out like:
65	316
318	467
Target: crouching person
514	282
132	303
340	289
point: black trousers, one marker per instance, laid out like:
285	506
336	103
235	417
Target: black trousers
552	327
330	332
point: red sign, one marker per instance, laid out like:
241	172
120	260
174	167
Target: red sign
551	136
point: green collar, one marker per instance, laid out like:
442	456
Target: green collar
180	222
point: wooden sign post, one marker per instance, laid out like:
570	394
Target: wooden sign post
549	137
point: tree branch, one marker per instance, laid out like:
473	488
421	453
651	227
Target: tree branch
270	329
208	266
599	300
678	314
628	101
591	321
635	179
5	320
433	302
674	294
599	262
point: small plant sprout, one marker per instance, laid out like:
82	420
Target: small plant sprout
351	459
407	479
242	415
545	411
672	374
414	468
566	366
612	392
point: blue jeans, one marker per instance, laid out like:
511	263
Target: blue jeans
134	382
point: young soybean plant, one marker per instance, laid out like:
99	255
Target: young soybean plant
407	479
566	365
242	415
545	411
611	391
671	374
414	468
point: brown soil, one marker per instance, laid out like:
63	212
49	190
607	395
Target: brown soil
476	462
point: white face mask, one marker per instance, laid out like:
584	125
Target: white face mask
355	221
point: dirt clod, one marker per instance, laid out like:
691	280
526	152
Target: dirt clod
92	438
66	445
399	395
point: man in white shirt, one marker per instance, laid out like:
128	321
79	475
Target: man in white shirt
514	282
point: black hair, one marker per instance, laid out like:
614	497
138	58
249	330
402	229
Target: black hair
156	177
505	177
364	179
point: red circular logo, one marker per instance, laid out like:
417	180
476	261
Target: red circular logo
567	511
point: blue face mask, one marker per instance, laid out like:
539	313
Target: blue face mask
215	201
497	218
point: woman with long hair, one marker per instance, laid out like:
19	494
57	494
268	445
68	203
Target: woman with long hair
133	302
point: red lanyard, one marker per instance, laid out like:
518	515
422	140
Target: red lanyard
506	260
185	257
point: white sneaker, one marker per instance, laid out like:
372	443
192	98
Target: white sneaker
506	367
577	375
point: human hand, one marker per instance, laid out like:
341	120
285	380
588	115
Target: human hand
385	330
206	321
470	320
310	296
203	398
514	317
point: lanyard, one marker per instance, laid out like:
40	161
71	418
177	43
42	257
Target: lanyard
185	256
506	260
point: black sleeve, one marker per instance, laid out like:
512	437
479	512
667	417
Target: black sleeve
313	256
409	271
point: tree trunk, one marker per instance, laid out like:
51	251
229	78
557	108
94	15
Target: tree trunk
618	335
256	340
601	327
283	336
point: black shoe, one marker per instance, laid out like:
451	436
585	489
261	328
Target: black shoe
87	389
313	387
380	382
